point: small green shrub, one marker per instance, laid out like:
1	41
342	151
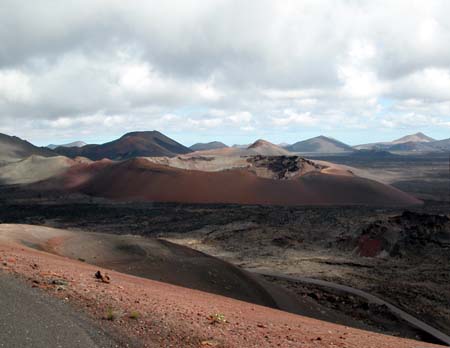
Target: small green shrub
134	315
217	318
110	314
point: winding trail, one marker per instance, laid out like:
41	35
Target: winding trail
439	335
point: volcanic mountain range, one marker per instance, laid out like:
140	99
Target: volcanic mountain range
213	145
14	149
72	144
262	173
135	144
320	144
417	142
156	144
413	143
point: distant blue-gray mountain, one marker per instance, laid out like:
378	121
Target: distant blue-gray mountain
74	144
320	144
213	145
417	142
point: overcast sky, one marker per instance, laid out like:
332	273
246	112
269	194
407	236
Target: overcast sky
235	71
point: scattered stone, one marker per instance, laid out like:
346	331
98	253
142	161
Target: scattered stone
60	282
210	343
103	277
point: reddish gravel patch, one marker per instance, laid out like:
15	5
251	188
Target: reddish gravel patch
369	247
171	316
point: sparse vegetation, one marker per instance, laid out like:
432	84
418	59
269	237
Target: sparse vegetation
134	315
217	318
110	314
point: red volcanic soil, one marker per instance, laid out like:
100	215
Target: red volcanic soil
172	316
140	179
75	176
369	247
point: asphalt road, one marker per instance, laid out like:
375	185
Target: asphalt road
417	323
30	318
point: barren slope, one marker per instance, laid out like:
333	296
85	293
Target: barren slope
168	315
34	169
140	179
259	147
13	149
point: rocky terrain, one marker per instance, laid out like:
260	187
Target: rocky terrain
305	241
313	246
139	312
407	235
288	218
283	167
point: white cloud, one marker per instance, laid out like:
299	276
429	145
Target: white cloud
88	120
205	123
238	67
242	117
430	83
293	118
291	93
357	72
137	78
207	91
15	87
412	119
359	83
307	102
428	31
